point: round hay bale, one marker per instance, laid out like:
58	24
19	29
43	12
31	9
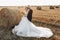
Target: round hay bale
51	7
9	17
39	8
56	6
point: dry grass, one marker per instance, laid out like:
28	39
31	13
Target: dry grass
7	35
46	17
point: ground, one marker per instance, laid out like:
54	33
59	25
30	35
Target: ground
7	35
45	17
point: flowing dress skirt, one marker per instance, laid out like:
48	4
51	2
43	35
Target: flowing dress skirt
28	29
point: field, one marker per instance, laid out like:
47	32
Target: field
45	17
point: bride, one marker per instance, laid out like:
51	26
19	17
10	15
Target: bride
28	29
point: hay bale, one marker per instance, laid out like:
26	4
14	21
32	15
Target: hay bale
51	7
39	8
9	17
56	6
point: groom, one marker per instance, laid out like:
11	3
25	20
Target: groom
29	13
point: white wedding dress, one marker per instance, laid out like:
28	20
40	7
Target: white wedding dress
28	29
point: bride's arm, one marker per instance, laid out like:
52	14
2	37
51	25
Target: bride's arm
22	13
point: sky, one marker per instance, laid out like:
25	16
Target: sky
28	2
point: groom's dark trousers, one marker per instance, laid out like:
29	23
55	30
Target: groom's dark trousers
29	16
